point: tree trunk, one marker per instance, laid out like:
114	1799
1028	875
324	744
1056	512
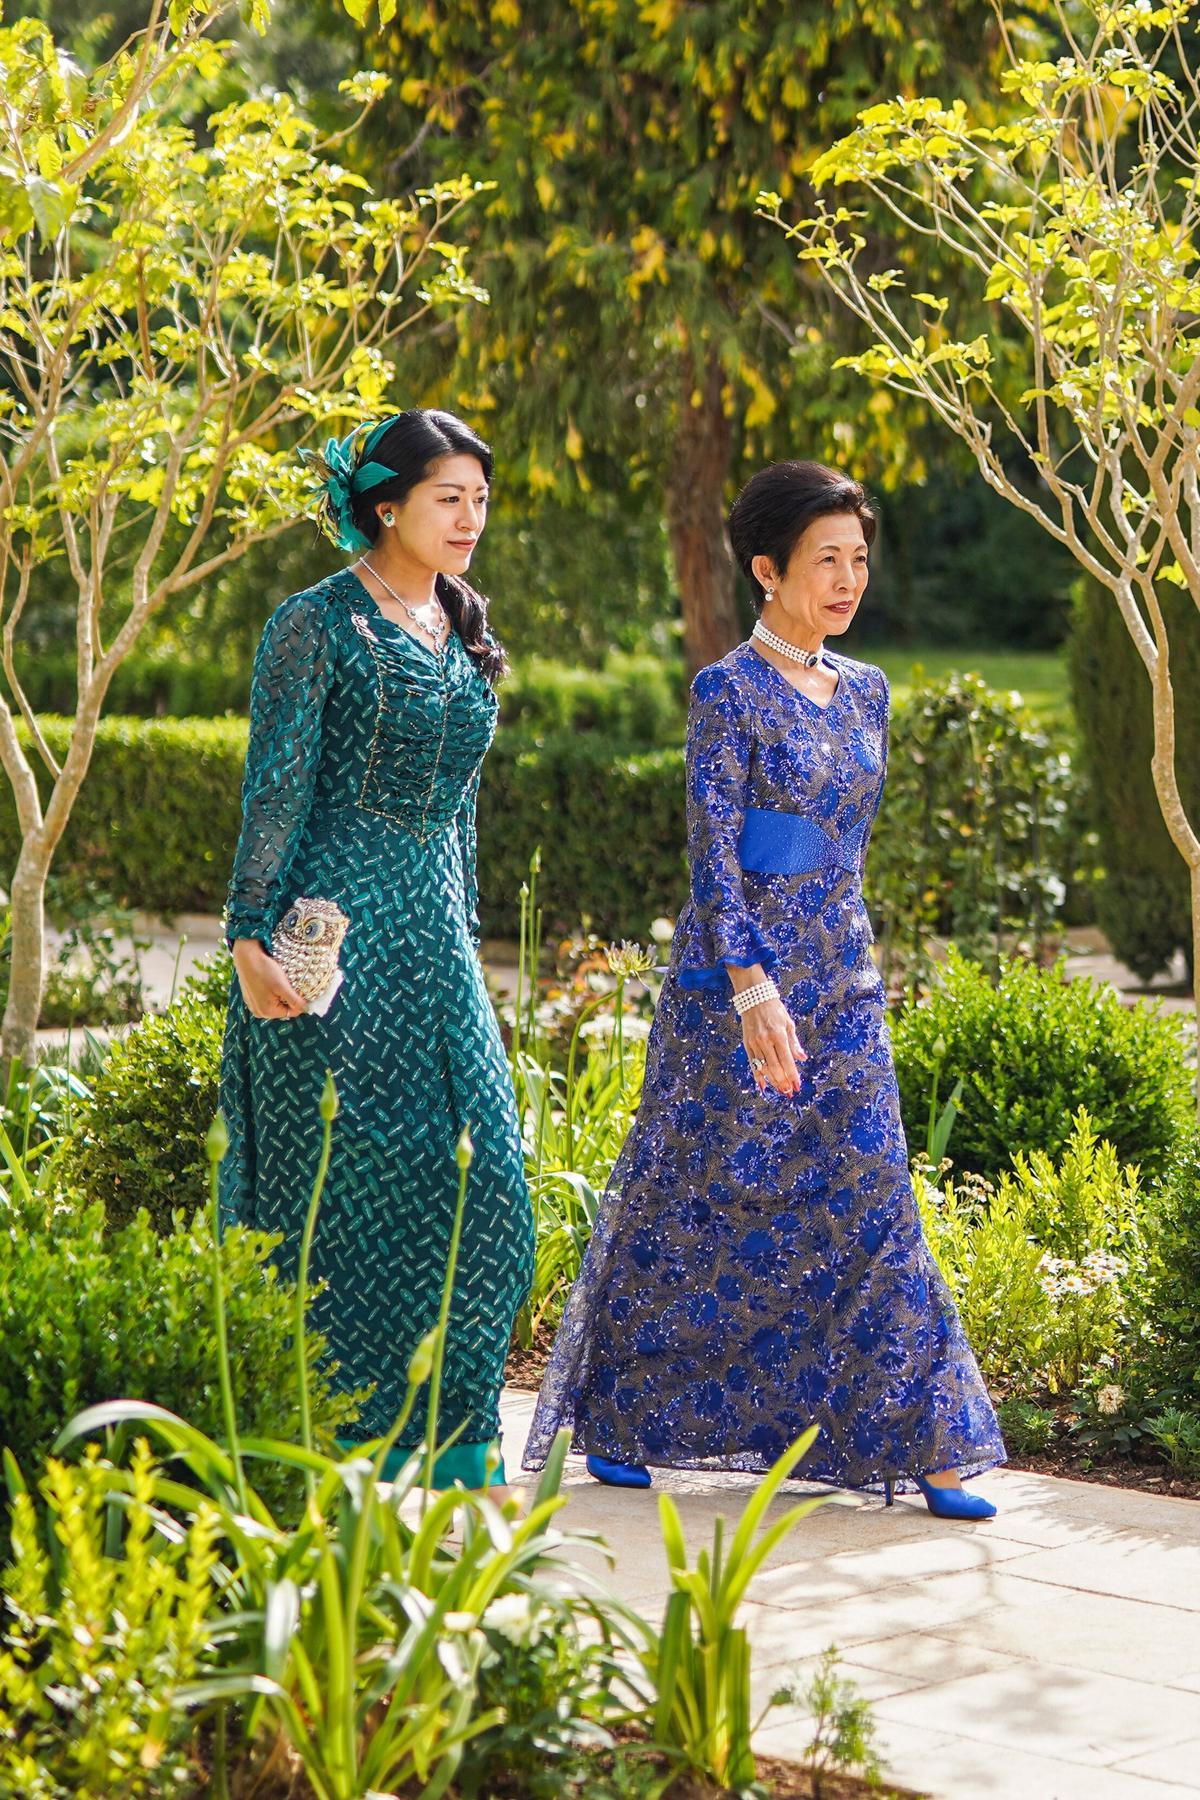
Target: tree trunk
696	496
27	955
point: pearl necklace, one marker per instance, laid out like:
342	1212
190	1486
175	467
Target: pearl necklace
436	633
810	659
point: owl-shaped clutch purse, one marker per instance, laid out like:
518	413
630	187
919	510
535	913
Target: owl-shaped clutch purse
306	943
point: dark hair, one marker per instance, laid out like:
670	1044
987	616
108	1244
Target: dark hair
413	444
777	506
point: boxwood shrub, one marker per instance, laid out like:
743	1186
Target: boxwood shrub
138	1142
88	1314
1032	1049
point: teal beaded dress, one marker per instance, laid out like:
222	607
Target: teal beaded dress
360	785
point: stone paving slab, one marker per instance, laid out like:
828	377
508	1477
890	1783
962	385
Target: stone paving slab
1050	1654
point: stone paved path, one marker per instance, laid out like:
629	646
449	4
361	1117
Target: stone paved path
1050	1654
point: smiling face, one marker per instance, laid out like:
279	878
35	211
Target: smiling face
826	574
440	521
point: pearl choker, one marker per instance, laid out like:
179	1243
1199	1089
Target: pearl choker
810	659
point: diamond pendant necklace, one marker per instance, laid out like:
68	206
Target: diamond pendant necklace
808	659
437	633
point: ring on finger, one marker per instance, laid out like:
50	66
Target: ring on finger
757	1063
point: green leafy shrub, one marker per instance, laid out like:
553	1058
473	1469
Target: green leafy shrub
546	1684
88	1314
1032	1049
1028	1428
1177	1435
638	700
99	1638
1170	1312
155	823
148	684
137	1141
844	1732
975	843
1143	901
1039	1265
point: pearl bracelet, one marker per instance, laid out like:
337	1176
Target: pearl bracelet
754	996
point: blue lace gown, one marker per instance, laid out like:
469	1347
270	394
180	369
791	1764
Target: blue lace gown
758	1263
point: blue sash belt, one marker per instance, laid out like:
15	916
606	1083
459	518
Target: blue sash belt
783	843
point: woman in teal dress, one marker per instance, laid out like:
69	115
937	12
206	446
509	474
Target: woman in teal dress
372	709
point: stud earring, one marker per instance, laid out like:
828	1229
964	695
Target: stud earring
389	520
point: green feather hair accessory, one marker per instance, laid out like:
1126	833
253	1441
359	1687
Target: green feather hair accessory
344	469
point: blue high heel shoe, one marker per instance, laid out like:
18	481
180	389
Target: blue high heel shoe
947	1503
616	1474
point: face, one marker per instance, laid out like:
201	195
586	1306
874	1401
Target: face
442	519
826	575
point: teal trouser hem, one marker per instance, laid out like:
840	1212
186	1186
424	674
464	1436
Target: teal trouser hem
461	1463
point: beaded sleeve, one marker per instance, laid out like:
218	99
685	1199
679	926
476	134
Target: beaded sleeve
293	672
465	821
719	740
882	700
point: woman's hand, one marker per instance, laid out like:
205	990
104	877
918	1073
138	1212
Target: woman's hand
265	988
773	1047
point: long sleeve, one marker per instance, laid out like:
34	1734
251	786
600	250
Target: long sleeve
719	739
882	700
293	672
467	841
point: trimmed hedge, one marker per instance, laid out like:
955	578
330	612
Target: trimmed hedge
156	822
640	700
637	700
144	686
157	819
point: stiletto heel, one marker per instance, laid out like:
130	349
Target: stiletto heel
617	1474
954	1503
945	1503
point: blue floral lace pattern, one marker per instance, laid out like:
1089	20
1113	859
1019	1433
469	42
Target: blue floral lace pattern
758	1263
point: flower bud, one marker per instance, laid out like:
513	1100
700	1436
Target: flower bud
217	1141
420	1363
329	1099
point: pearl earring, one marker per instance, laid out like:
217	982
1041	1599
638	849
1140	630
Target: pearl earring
769	594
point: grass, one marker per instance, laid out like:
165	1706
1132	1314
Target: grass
1040	676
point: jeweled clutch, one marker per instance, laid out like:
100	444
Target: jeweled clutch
306	943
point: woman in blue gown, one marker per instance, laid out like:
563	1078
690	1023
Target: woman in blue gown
758	1263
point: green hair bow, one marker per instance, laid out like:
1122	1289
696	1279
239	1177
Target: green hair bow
344	469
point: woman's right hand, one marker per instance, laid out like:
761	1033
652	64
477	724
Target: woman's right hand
265	988
771	1041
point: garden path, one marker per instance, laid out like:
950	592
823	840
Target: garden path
1051	1654
176	947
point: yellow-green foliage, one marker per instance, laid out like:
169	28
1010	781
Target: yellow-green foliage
1040	1263
107	1615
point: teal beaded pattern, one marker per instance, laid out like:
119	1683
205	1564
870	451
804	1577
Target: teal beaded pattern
361	781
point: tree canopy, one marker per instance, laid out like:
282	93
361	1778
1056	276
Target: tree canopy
645	325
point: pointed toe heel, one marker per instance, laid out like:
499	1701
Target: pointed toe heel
616	1474
954	1503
